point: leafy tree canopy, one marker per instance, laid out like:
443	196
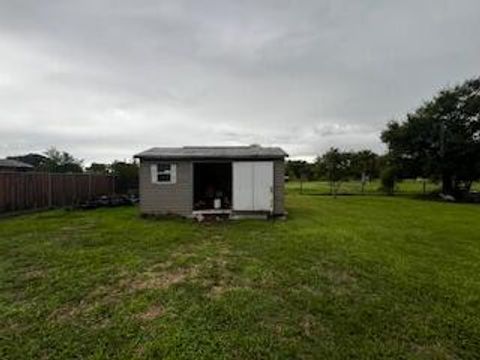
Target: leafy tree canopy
61	162
99	168
341	165
441	139
126	175
299	169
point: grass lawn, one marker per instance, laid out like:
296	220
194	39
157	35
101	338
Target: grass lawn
352	277
404	187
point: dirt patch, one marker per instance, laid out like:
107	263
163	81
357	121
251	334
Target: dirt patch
158	276
217	291
80	312
66	313
205	263
160	280
340	281
160	266
218	288
308	325
183	255
433	351
211	271
219	279
106	296
339	276
151	313
278	329
34	274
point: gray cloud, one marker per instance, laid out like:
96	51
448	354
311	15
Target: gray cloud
104	79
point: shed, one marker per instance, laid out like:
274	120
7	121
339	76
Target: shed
14	165
197	180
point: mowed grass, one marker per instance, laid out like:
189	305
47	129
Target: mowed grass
352	277
404	187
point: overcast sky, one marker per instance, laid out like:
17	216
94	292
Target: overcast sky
106	79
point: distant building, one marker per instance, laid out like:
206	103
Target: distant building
14	165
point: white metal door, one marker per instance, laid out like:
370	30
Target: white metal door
242	186
263	186
253	186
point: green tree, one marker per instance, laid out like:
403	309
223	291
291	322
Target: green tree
441	139
364	163
299	169
61	162
336	166
388	178
99	168
126	176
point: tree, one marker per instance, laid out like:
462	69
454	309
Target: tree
364	166
299	169
126	176
99	168
61	162
388	177
364	163
441	139
337	167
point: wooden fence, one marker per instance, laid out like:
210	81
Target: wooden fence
21	191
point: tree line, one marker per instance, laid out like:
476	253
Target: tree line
439	141
337	166
335	163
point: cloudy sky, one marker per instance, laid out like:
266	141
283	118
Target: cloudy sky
106	79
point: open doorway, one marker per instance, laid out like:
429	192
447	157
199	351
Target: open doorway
212	186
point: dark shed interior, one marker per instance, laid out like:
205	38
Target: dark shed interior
212	181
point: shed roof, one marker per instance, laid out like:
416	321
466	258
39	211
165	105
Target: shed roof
213	152
10	163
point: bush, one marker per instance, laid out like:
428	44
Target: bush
388	178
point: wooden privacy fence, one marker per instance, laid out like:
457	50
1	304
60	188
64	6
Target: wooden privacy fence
31	190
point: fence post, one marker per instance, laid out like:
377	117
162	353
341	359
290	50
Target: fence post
89	186
50	190
75	190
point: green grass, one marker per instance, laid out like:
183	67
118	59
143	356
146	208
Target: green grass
352	277
404	187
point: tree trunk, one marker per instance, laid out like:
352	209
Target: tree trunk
447	186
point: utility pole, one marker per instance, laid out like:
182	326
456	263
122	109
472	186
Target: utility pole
446	180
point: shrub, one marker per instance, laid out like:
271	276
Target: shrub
388	178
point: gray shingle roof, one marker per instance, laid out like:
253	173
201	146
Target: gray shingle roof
213	152
9	163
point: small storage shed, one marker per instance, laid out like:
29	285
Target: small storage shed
191	181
